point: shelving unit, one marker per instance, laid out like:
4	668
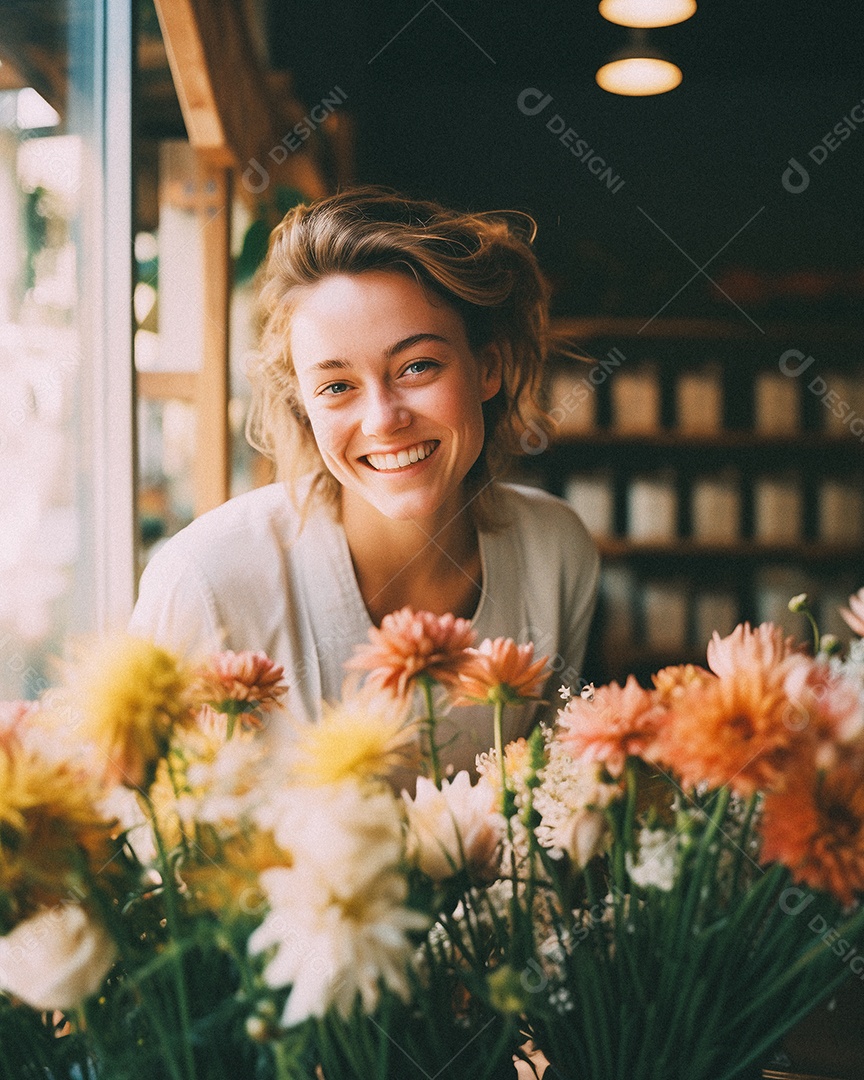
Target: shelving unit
717	507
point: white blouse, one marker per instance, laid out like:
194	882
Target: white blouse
247	576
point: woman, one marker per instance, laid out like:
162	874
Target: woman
399	341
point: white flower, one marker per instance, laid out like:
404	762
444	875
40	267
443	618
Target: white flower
455	826
329	952
226	786
338	925
581	835
56	958
657	860
348	832
571	801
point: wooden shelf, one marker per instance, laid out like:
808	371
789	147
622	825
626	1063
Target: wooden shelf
618	549
670	439
586	328
685	579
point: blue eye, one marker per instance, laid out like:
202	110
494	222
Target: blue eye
419	367
335	388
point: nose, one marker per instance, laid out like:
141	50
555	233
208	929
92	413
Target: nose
384	412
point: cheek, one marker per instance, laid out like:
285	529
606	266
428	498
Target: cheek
324	427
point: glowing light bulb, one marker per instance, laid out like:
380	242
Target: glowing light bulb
647	13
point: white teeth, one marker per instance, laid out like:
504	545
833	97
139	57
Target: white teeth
402	458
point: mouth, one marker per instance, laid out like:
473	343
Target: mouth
401	459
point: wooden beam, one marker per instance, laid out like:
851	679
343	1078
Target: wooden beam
229	111
212	436
168	385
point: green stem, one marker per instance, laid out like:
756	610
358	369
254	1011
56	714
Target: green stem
743	843
814	626
172	917
282	1061
506	807
498	726
694	893
431	721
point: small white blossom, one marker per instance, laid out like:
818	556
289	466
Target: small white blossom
657	860
571	801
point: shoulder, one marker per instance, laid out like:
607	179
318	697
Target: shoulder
247	531
226	576
549	532
537	513
249	518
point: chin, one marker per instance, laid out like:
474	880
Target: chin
407	507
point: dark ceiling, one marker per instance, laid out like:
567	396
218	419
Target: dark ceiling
688	186
434	89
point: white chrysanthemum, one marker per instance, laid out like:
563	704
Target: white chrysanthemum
329	951
454	827
226	786
56	958
351	834
338	926
571	801
657	860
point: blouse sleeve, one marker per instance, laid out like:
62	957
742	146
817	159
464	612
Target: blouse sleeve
176	606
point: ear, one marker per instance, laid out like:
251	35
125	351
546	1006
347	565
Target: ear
491	368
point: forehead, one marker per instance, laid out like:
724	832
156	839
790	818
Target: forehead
369	312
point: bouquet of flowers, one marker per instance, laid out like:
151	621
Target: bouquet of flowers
178	900
663	876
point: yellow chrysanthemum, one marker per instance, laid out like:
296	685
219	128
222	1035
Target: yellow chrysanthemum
221	873
131	693
49	829
364	738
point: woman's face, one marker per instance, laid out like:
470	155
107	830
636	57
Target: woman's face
392	390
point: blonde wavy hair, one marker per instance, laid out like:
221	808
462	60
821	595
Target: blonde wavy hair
481	264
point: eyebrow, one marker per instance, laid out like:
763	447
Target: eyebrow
337	363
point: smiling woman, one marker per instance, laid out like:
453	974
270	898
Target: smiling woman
400	342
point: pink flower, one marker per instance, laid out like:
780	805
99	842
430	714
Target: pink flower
616	723
762	649
409	644
500	670
854	614
240	682
12	713
826	705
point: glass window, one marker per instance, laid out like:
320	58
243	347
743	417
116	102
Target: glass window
65	340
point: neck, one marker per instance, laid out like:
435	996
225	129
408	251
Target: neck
427	565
